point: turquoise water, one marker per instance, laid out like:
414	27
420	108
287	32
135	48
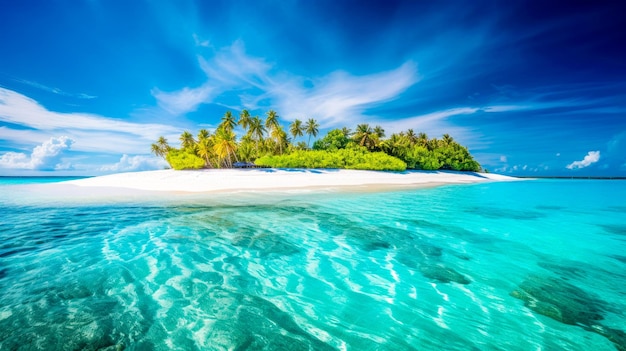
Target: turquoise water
533	265
33	180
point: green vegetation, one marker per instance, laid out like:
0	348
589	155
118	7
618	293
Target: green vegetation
267	143
353	158
183	159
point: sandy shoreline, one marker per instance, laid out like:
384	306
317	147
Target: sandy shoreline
237	180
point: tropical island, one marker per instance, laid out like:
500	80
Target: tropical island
342	159
266	143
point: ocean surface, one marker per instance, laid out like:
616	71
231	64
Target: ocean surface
530	265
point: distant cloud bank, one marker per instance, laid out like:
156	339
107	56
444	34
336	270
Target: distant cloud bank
135	163
45	157
591	158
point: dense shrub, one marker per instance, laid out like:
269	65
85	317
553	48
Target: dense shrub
182	159
353	158
334	140
447	157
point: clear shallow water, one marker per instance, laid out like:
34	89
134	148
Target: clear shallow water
472	267
33	180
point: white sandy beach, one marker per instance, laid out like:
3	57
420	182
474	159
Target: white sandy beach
237	180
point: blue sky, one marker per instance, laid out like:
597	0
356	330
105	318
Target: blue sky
532	88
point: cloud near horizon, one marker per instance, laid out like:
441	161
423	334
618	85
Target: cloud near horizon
45	157
88	131
135	163
591	158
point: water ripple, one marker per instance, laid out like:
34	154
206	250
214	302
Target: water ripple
396	271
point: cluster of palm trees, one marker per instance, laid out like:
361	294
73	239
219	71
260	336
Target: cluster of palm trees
409	138
372	139
420	152
416	150
260	137
267	137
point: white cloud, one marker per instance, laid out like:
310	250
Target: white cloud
340	98
233	67
135	163
591	158
336	99
44	157
90	132
15	160
18	109
185	100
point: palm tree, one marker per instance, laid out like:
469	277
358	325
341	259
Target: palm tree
365	136
379	131
203	134
280	136
245	150
271	122
447	139
296	129
311	129
162	142
346	131
410	134
396	145
422	139
432	144
204	146
225	146
161	148
256	130
244	120
228	122
187	141
205	150
156	150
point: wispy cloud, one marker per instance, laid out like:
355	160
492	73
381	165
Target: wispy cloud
90	132
342	99
436	116
334	99
231	67
591	158
55	90
185	100
44	157
200	42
